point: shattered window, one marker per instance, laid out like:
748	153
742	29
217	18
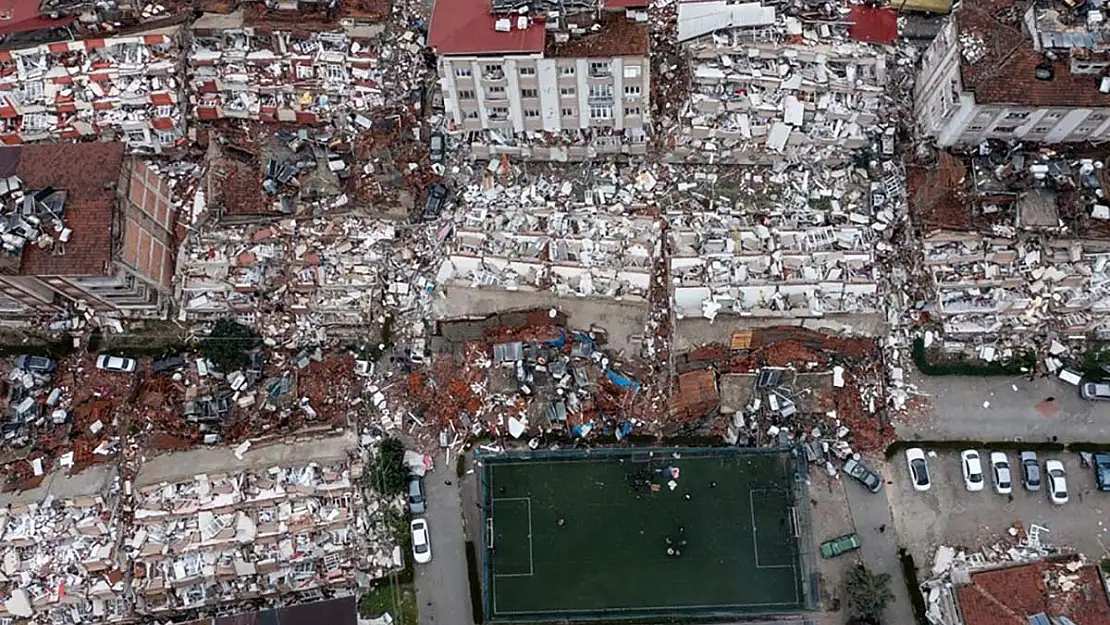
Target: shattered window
335	71
305	72
599	68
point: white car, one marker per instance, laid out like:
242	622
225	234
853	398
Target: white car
421	546
116	363
919	469
1057	481
1000	470
973	470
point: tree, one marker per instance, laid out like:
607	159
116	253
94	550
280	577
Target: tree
868	595
387	470
228	344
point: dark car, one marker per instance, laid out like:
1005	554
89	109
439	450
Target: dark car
415	488
167	364
437	147
866	476
1030	470
437	199
36	364
1101	460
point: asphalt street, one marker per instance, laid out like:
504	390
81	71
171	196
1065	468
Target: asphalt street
442	587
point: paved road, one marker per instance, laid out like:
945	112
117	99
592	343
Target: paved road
442	587
879	550
989	408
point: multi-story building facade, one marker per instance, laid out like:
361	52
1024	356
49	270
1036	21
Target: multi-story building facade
1000	69
547	87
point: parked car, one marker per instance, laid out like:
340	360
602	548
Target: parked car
167	364
421	545
919	469
866	476
973	470
1000	471
415	488
1030	471
839	545
1101	461
436	148
1057	481
437	199
116	363
1095	391
36	364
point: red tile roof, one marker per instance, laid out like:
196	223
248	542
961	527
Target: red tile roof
25	17
873	24
89	174
1006	72
467	27
1010	596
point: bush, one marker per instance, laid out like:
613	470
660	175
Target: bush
913	587
386	471
228	344
1023	362
868	594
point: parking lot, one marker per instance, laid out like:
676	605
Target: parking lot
947	514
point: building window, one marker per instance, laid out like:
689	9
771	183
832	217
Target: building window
1004	129
529	93
974	128
631	71
567	92
304	72
527	71
499	113
166	138
601	112
493	72
1017	115
1094	117
1084	130
1042	129
635	110
334	71
472	115
566	70
531	113
568	112
137	136
466	94
1053	115
600	68
496	91
632	91
463	72
601	91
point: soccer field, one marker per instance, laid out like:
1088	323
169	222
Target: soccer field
587	534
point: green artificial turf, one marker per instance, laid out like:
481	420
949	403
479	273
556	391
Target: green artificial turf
609	558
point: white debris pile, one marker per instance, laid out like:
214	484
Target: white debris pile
276	531
295	281
60	559
778	81
123	86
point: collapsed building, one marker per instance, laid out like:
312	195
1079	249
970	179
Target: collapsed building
1008	70
85	231
1017	246
564	81
769	79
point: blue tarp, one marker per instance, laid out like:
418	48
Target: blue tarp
559	342
623	381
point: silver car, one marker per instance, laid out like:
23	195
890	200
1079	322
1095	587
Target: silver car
1030	471
1095	391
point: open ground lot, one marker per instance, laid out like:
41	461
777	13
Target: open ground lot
1001	408
948	514
729	518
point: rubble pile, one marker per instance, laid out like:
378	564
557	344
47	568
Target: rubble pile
126	88
222	539
31	217
782	77
1016	251
62	560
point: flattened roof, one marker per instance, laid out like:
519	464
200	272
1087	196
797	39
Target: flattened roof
88	173
1010	596
873	24
618	36
25	17
339	611
467	27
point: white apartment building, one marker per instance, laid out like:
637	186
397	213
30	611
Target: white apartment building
1004	70
545	87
